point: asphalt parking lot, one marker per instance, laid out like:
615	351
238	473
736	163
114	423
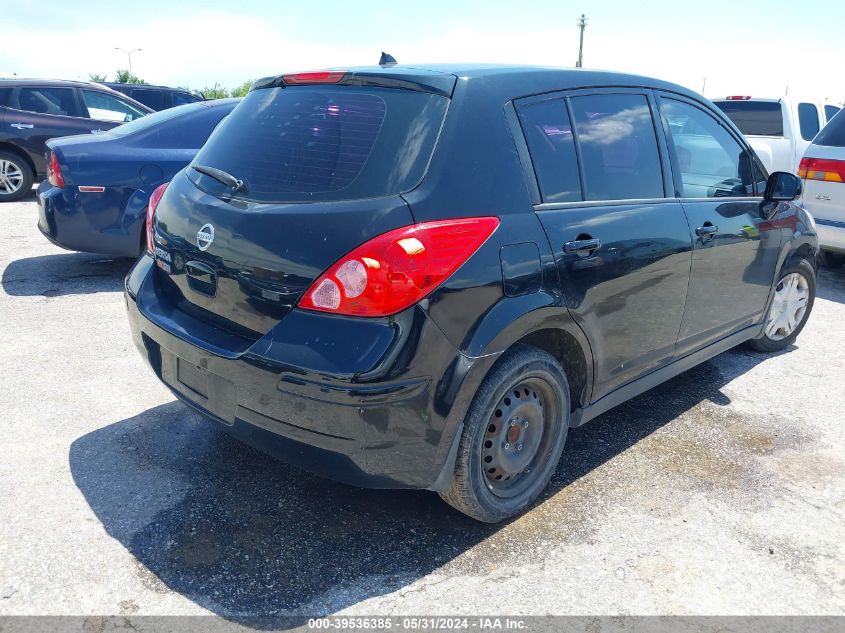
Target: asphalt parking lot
720	492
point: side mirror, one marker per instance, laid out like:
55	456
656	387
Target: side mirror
783	187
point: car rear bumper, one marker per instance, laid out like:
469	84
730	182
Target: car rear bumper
313	404
65	220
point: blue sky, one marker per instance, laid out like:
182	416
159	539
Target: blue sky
740	47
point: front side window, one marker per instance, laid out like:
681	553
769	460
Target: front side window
151	98
548	134
830	111
106	107
808	120
618	146
181	98
712	164
56	101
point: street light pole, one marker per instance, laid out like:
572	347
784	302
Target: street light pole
582	23
129	55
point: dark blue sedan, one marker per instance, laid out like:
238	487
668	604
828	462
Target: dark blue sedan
95	197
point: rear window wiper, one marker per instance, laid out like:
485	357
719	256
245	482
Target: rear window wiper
235	184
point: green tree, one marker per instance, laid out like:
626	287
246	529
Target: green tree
126	77
215	92
97	77
241	90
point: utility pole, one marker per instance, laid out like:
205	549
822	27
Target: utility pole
582	24
129	55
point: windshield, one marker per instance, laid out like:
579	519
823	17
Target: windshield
309	143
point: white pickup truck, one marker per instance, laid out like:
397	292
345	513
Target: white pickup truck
779	130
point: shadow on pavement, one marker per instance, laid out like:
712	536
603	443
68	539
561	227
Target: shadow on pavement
64	274
245	536
831	284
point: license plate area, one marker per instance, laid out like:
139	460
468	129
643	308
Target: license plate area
193	377
208	390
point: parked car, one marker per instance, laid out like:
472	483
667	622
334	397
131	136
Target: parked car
400	277
95	199
34	110
779	130
156	97
823	171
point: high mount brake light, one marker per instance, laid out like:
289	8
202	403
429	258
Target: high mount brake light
155	198
320	77
738	98
54	172
825	169
395	270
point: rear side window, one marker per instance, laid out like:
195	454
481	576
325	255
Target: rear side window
618	146
711	162
56	101
309	143
833	134
829	110
154	99
5	95
808	120
757	118
549	136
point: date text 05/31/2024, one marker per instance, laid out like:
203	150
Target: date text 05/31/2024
431	623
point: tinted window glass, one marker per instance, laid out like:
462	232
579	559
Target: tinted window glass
711	163
154	99
552	147
833	134
105	107
808	120
324	143
761	118
47	101
180	98
618	147
5	94
829	110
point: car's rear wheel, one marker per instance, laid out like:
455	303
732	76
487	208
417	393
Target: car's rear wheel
791	306
16	177
832	260
512	438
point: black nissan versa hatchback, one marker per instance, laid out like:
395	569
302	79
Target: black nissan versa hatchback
422	278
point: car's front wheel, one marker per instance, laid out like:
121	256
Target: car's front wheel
790	308
16	177
512	438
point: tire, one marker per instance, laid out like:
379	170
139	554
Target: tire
493	478
832	260
16	177
780	331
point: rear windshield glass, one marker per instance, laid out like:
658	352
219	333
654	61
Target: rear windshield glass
323	143
833	134
760	118
151	120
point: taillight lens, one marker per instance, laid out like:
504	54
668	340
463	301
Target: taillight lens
54	172
151	211
822	169
395	270
319	77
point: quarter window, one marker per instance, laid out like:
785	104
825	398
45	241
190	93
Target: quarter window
57	101
551	145
712	164
808	120
618	146
105	107
829	111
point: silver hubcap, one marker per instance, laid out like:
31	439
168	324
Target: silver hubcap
788	306
11	177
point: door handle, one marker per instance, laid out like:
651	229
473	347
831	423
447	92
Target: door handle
582	247
22	126
707	232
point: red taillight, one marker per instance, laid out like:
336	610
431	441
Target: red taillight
737	98
822	169
393	271
54	172
151	211
320	77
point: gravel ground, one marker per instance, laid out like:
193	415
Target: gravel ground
719	492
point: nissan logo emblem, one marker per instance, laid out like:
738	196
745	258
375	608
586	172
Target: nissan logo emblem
205	236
